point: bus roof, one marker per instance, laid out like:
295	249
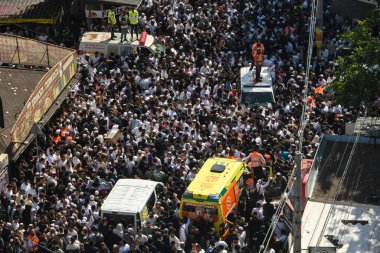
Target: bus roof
209	182
247	77
257	89
128	196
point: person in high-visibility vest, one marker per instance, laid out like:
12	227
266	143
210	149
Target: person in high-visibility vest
257	58
268	159
56	137
112	21
231	155
234	93
311	102
124	24
33	241
255	162
134	22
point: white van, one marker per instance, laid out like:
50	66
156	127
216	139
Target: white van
256	93
101	42
130	202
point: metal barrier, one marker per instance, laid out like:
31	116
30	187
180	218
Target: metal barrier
25	51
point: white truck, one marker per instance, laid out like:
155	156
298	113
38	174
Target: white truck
130	202
101	42
256	93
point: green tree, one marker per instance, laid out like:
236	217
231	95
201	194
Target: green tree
359	73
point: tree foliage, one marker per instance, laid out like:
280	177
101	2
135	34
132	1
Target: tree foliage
359	73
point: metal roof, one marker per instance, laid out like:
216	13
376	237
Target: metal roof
351	228
369	126
247	77
29	11
129	3
353	8
17	85
128	196
361	184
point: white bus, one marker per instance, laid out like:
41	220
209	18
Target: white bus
130	202
101	42
256	93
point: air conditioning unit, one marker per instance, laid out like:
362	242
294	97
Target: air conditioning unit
324	249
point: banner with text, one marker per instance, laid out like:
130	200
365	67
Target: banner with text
104	13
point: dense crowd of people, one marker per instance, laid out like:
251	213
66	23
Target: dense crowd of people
173	112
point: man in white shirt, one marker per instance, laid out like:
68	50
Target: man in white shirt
41	164
259	211
205	91
260	187
183	229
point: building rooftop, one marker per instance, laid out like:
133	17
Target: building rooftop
349	223
16	85
38	11
353	8
361	184
350	228
369	126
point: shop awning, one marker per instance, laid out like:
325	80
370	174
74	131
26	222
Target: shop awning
128	3
29	11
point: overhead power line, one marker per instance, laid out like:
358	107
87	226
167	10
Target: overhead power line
333	204
304	118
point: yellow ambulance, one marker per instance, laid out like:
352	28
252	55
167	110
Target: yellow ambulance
214	191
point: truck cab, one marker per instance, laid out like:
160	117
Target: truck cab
101	42
256	93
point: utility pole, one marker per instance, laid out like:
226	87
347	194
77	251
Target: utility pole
37	131
319	29
297	222
320	13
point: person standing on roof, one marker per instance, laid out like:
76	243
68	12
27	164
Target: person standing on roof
134	21
112	21
255	162
123	19
257	58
